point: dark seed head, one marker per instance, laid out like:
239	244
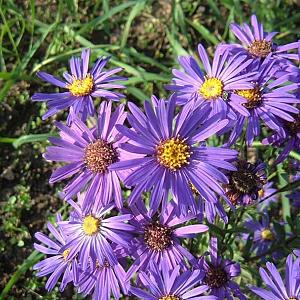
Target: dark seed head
158	237
260	48
99	156
216	277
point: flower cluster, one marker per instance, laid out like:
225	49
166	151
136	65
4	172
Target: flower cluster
182	183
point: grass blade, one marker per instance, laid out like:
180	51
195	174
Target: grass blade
136	10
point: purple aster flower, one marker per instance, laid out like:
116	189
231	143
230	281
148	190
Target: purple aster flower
168	284
219	274
246	182
271	100
263	234
81	85
277	289
104	280
59	263
267	192
159	238
173	158
213	87
290	139
88	154
89	232
258	43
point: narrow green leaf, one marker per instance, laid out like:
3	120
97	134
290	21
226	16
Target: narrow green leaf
286	206
31	138
33	258
7	140
97	21
136	10
206	34
176	46
138	93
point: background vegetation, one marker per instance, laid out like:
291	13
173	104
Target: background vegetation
142	36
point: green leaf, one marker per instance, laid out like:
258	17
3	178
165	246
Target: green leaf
31	138
33	258
206	34
136	10
97	21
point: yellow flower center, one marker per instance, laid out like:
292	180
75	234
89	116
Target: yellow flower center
211	88
91	225
66	253
81	87
169	297
261	193
267	235
260	48
173	153
253	97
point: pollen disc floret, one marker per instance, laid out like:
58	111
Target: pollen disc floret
157	236
216	277
66	253
169	297
173	153
81	87
267	234
260	48
99	156
244	181
294	127
91	225
253	97
211	88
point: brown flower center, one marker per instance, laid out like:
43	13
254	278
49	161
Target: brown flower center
99	156
216	277
293	127
260	48
245	181
253	97
157	236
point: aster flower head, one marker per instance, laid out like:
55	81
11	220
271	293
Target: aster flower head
272	100
263	234
267	195
277	288
165	284
58	264
104	280
259	44
90	234
82	86
174	154
212	87
219	274
246	182
88	153
159	238
289	139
